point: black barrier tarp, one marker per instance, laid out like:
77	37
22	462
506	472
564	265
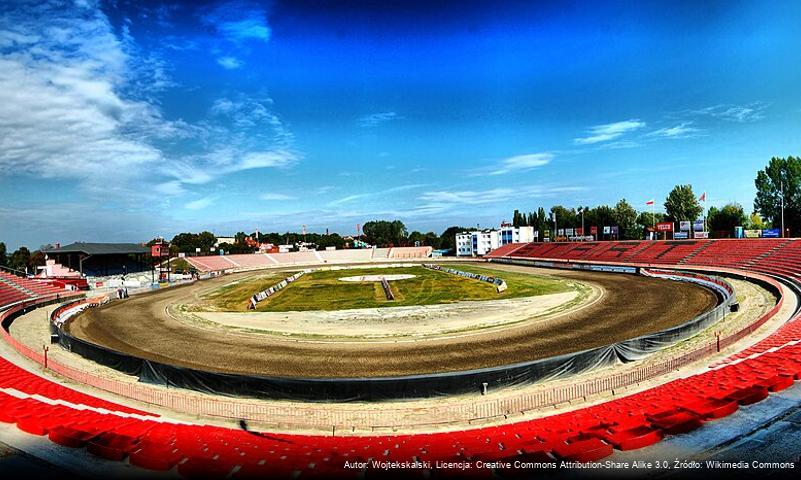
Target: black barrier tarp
390	388
395	388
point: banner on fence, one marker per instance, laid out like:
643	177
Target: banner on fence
499	283
264	294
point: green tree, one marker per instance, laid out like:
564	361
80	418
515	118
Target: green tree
542	222
383	232
447	241
206	240
20	259
517	218
37	260
331	240
3	255
565	217
647	220
189	242
722	221
626	219
416	236
431	240
755	222
780	174
681	204
600	216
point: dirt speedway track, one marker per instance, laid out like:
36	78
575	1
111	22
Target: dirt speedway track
631	306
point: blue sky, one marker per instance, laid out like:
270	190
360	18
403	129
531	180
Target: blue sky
123	120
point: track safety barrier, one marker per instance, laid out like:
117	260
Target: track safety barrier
499	283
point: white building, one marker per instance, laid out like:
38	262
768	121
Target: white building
231	240
510	234
481	242
478	242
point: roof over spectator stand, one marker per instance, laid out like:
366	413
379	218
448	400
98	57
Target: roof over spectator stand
100	248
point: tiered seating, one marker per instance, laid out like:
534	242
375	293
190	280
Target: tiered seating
733	253
214	263
347	256
14	289
784	261
9	294
614	251
407	253
504	250
250	260
12	376
211	263
668	252
535	250
587	434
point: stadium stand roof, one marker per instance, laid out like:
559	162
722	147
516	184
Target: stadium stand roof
99	248
102	259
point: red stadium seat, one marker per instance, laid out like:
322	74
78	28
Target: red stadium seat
107	429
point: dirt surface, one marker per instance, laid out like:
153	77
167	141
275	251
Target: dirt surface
631	306
394	323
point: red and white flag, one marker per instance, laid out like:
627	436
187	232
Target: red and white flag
702	198
649	202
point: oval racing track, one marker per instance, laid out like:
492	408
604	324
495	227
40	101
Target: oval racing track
632	306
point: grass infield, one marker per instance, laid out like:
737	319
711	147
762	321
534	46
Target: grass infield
323	290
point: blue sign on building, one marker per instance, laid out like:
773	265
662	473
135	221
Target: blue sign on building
771	233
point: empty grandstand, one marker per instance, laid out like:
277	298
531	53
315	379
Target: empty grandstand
216	263
115	432
16	288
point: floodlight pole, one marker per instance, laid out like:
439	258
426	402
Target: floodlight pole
782	192
553	214
653	220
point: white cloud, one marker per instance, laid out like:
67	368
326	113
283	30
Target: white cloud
252	113
67	105
523	162
268	159
608	131
81	102
199	204
749	112
170	188
376	119
239	21
362	196
229	63
618	144
479	197
682	130
347	199
276	197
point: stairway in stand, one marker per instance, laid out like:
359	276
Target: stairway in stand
694	253
769	252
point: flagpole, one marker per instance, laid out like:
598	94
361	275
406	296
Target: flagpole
705	210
